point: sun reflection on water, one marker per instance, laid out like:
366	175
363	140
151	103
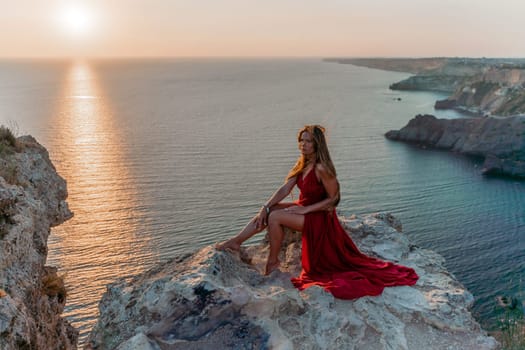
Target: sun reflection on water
103	241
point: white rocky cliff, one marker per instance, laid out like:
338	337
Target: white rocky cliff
220	300
32	296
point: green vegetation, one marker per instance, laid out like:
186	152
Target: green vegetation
8	146
512	331
9	172
8	142
511	326
6	213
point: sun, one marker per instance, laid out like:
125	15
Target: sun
76	20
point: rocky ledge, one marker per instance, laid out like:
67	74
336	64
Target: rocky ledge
501	141
220	300
32	295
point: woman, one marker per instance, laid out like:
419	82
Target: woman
329	257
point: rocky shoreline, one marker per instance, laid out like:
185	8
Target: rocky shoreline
478	86
32	295
219	300
501	141
492	91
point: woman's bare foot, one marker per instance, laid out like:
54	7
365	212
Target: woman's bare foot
228	245
271	266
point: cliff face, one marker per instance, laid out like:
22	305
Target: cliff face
499	91
500	140
218	300
32	296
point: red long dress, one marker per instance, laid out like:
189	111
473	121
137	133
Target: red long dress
330	258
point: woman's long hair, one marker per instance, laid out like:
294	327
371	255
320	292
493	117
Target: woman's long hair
320	148
321	156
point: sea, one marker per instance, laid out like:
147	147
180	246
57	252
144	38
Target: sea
165	156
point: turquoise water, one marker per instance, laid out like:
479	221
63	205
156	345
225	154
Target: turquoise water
165	156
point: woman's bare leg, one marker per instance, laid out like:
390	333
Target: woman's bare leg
248	231
276	221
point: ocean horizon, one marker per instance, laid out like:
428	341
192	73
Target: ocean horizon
165	156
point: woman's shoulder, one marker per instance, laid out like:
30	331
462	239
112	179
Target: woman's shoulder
322	171
320	168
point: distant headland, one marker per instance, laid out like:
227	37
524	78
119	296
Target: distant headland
491	90
479	86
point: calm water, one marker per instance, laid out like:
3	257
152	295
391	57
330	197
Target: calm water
163	157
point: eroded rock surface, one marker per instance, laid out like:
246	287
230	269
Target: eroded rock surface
494	91
220	300
32	296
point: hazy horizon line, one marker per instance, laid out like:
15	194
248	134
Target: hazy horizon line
166	57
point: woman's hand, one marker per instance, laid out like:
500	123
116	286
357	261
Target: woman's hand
296	209
262	218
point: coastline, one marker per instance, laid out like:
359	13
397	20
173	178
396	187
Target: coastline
488	86
490	91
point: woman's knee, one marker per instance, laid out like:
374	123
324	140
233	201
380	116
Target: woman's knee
283	218
275	217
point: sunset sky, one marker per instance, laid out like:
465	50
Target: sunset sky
269	28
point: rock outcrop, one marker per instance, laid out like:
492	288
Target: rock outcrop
220	300
32	295
500	140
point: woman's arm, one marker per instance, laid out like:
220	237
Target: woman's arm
281	193
276	197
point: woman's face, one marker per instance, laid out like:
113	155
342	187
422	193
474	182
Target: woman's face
306	144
